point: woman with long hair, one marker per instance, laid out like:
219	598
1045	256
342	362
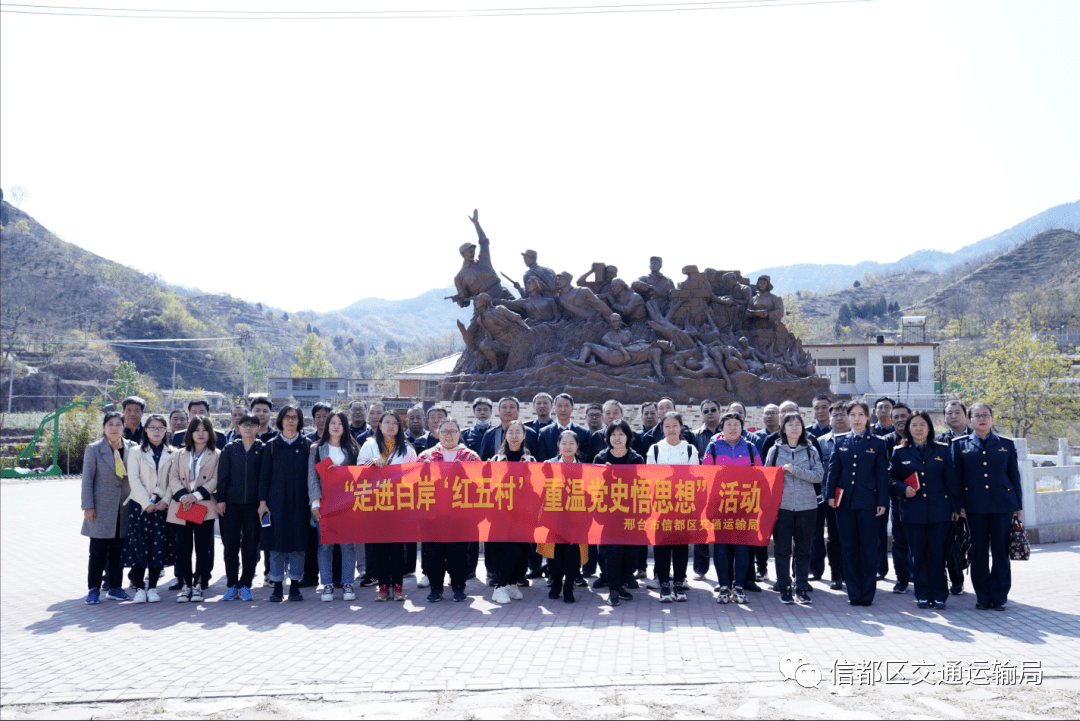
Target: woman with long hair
192	481
439	557
105	485
508	558
150	542
566	558
388	447
336	443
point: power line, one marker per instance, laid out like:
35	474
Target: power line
138	14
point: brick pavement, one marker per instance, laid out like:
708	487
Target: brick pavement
53	648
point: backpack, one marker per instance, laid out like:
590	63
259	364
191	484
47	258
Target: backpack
656	453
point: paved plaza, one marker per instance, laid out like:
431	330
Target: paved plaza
532	658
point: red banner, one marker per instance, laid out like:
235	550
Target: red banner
550	503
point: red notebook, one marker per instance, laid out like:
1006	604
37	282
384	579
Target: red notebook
322	466
913	481
195	515
839	495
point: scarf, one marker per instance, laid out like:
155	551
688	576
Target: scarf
121	471
389	452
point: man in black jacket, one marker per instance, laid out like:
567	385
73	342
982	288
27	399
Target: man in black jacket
237	495
549	435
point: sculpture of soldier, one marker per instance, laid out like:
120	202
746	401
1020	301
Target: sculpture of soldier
617	348
695	294
477	275
545	278
708	367
580	303
625	302
501	325
533	306
655	286
729	305
603	274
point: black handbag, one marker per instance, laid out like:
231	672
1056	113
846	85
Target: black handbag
960	544
1019	548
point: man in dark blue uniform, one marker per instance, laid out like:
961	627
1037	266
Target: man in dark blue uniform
859	468
883	410
474	435
990	476
541	404
956	420
901	552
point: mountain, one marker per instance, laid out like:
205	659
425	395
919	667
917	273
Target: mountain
821	277
428	314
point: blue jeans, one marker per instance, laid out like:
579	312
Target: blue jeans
348	563
720	560
280	559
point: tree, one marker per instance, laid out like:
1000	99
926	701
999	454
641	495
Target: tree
843	317
19	195
311	360
1024	379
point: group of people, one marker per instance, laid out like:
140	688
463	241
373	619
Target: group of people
152	487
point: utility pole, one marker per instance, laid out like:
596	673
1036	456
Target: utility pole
11	380
245	338
172	395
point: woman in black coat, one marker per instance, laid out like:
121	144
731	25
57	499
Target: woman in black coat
283	493
618	566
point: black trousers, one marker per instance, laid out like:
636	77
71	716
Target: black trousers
859	537
371	561
442	557
901	553
410	558
240	529
990	536
565	567
473	557
618	562
817	545
702	558
928	547
136	575
794	532
594	559
105	553
506	561
642	558
761	555
671	561
883	545
535	559
956	574
833	549
391	563
194	537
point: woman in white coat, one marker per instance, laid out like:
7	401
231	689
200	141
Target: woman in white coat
150	542
192	481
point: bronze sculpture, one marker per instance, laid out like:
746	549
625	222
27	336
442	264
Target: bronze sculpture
711	335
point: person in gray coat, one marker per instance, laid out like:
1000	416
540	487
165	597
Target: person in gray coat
798	506
105	487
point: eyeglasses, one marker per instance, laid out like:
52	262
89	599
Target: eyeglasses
982	416
711	410
155	429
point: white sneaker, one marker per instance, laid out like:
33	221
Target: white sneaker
152	596
185	595
328	592
423	582
653	584
514	592
347	593
501	595
140	595
196	594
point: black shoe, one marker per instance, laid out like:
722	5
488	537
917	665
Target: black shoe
752	587
367	582
808	589
554	593
580	582
308	582
492	581
176	585
294	591
786	597
613	598
855	603
802	598
759	576
881	577
922	604
625	595
837	585
632	583
867	603
549	582
900	587
277	596
460	596
957	590
569	598
523	582
600	583
939	605
1001	606
815	577
471	576
982	607
434	596
534	574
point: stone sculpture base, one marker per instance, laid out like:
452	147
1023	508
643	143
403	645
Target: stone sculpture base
633	384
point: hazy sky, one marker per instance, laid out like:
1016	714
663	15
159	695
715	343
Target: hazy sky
242	155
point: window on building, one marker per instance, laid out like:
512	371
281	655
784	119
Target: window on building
429	389
900	368
281	385
330	385
304	384
361	388
846	368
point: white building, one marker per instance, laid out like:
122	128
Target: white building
903	371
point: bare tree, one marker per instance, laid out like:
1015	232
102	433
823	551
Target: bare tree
19	195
